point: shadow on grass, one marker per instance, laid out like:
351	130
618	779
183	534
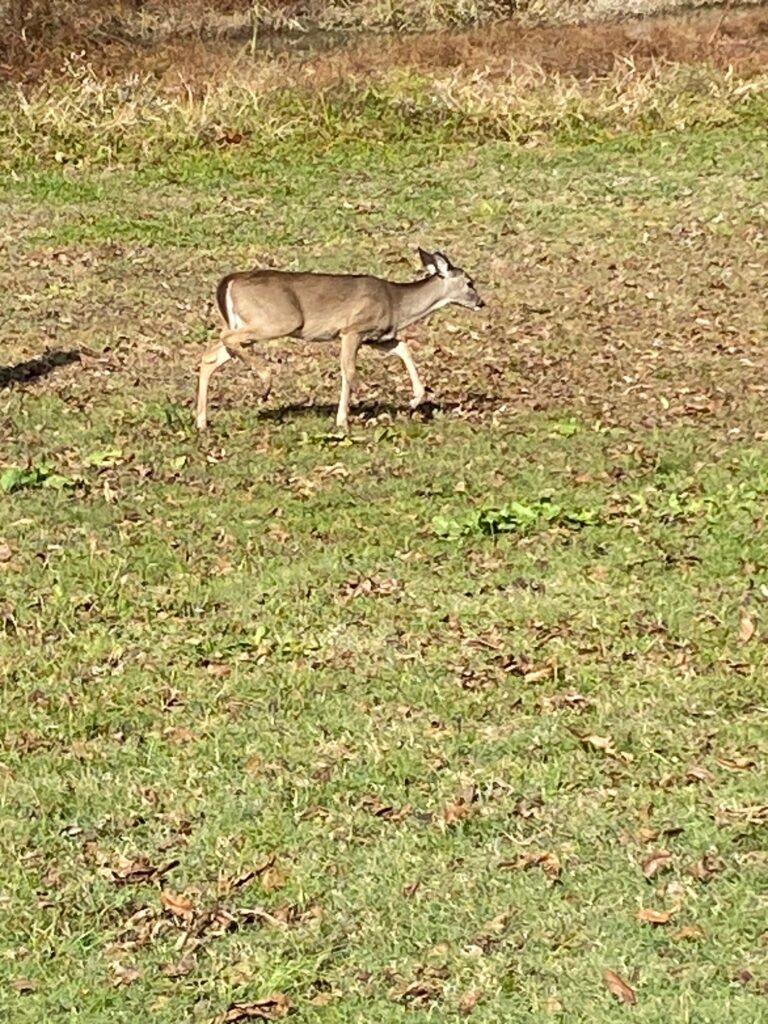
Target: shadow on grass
33	369
365	410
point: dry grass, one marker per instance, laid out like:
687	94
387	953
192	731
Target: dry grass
522	86
38	33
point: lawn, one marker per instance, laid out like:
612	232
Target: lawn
452	717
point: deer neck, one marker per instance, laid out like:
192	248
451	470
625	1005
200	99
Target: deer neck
417	299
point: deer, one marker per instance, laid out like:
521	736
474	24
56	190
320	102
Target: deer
264	305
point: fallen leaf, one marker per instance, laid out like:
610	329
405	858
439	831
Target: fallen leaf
705	868
24	985
178	734
698	774
227	885
453	812
746	627
411	888
649	916
373	805
469	1001
655	862
5	552
134	872
689	931
553	1005
752	814
273	878
571	699
326	998
618	987
418	993
368	586
273	1007
736	764
122	975
646	834
544	859
179	906
218	669
538	675
181	968
604	743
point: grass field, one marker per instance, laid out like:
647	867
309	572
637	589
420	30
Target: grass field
448	718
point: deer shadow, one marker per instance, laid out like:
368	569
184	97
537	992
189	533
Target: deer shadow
371	409
364	410
34	369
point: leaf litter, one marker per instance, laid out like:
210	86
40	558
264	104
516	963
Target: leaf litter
618	987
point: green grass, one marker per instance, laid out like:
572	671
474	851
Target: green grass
259	644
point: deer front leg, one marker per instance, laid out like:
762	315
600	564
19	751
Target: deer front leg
213	357
350	343
419	391
393	347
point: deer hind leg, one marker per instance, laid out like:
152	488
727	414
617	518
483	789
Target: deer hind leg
213	357
394	347
350	344
263	373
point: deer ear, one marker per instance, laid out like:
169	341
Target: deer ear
428	260
442	263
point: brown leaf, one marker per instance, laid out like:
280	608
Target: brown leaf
746	627
649	916
698	774
538	675
373	805
178	734
453	812
655	862
418	993
179	906
544	859
705	868
553	1005
411	888
368	586
227	885
326	998
469	1001
570	699
646	834
134	872
737	764
274	1007
24	986
689	931
604	743
218	669
122	975
618	987
273	878
5	552
181	968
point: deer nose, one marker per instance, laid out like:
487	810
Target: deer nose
480	304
